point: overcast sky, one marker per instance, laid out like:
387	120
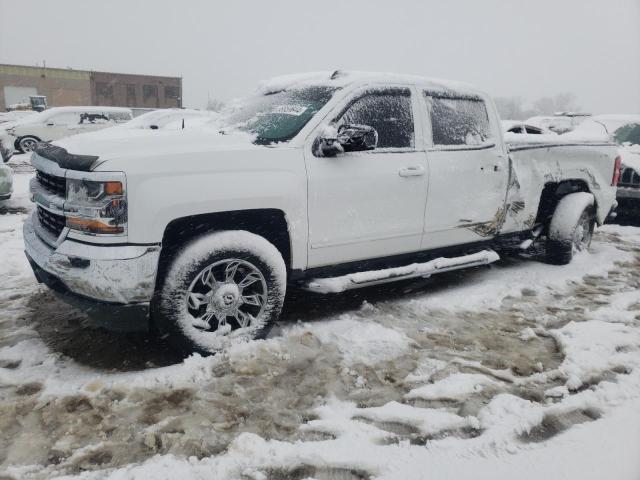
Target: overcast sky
223	48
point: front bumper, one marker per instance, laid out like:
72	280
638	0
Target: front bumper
6	181
113	284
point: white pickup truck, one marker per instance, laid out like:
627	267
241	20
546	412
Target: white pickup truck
324	181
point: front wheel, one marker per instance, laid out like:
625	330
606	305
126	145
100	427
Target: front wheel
225	288
571	228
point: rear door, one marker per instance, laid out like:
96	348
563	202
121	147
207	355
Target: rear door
468	171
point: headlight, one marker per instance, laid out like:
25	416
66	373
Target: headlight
96	207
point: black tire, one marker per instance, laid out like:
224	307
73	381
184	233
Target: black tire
571	228
26	144
177	319
559	252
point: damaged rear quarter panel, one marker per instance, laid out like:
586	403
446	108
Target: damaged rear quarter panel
535	166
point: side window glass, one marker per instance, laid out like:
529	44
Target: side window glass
64	119
119	117
533	131
93	117
389	112
459	121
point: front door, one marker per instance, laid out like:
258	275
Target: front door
369	204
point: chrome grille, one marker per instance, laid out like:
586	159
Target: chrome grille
55	185
52	222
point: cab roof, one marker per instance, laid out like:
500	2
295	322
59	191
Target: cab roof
343	78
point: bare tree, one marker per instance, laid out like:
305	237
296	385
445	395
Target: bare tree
513	108
562	102
214	105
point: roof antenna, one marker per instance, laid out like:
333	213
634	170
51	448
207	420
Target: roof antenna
335	74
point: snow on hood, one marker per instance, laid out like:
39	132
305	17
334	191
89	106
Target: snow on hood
118	143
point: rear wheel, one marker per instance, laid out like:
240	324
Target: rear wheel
223	289
27	144
571	228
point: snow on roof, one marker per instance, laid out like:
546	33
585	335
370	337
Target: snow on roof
341	78
87	108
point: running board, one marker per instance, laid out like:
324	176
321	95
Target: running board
415	270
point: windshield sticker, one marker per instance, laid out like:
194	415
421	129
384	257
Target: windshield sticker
295	110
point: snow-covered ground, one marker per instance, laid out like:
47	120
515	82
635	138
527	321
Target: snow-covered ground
517	370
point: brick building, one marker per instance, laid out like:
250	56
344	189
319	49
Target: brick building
82	87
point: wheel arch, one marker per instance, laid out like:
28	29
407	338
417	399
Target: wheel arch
268	223
551	195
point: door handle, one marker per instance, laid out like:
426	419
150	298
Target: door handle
414	171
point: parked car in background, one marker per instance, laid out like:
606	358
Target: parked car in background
6	181
319	180
561	122
625	131
515	126
168	118
60	122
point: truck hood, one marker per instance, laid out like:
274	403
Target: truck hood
112	144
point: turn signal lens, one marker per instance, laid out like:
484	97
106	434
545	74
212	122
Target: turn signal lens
113	188
616	171
92	226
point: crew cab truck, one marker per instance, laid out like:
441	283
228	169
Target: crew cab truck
329	181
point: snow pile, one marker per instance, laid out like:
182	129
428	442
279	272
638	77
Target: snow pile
595	347
453	387
360	341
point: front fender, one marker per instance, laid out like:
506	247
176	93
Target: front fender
274	180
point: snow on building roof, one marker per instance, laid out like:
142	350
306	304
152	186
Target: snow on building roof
342	78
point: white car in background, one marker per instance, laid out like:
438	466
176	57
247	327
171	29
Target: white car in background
516	126
625	131
559	123
59	122
171	118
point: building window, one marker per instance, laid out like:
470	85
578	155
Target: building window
171	92
104	89
131	94
149	92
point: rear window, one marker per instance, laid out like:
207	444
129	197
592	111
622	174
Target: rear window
459	121
119	117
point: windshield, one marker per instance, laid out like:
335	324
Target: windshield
277	117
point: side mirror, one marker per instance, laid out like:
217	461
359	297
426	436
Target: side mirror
348	138
357	138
